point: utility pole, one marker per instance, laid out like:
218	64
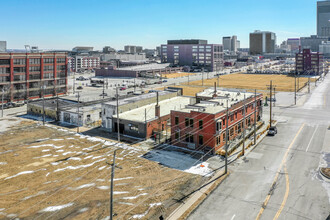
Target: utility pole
78	112
270	87
113	166
103	88
117	114
57	109
271	106
74	82
295	89
43	103
274	96
134	85
243	148
145	122
3	91
226	147
255	117
202	76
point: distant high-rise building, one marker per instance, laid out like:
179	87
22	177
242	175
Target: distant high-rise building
234	43
3	46
230	43
226	42
323	18
262	42
133	49
238	43
294	43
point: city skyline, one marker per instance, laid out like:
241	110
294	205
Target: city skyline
65	24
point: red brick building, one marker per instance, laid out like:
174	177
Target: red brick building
22	75
308	62
202	126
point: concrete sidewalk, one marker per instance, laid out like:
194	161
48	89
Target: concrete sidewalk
195	199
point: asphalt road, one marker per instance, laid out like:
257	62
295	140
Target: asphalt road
280	178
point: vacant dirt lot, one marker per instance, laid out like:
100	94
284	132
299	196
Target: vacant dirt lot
253	81
52	173
176	75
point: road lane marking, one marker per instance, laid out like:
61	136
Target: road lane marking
263	207
232	218
287	189
311	138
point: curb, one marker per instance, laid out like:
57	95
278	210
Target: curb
201	194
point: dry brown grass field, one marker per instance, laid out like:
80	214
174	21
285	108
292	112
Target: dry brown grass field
52	173
176	75
253	81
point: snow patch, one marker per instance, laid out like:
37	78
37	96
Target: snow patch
134	197
56	208
21	173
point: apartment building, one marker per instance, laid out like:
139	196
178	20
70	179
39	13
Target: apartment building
194	53
202	126
308	62
78	63
32	75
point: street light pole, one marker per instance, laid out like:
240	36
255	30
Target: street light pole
78	112
117	114
243	148
255	116
3	91
43	104
226	148
270	104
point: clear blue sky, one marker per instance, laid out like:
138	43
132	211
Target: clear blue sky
63	24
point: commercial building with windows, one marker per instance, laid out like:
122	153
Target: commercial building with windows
262	42
193	53
323	18
313	42
202	126
78	63
308	62
294	44
32	75
3	46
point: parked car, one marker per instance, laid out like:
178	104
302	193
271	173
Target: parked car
164	81
123	88
272	131
104	94
79	87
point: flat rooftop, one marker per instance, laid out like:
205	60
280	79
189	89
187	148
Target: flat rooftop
218	103
137	98
138	114
52	103
152	66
